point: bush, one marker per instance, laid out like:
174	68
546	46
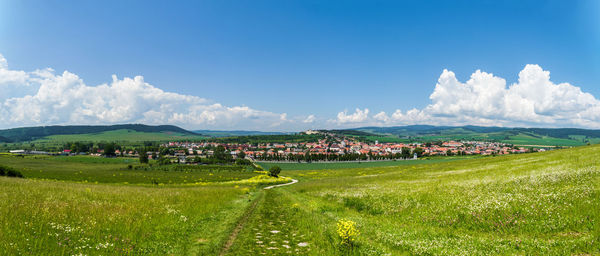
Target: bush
14	173
10	172
243	162
274	171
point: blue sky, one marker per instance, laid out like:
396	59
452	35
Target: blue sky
307	58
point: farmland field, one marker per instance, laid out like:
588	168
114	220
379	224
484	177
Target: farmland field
531	204
116	170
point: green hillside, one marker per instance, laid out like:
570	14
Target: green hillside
516	136
120	135
35	133
214	133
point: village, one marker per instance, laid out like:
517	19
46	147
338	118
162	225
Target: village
329	147
344	148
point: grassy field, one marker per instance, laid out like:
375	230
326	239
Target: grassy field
346	165
116	170
530	204
534	204
54	218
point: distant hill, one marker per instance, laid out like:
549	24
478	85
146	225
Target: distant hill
34	133
517	136
414	130
3	139
214	133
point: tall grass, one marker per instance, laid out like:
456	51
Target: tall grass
53	218
534	204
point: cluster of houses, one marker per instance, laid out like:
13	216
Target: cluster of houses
331	147
341	146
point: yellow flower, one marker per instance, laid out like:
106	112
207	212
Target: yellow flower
347	231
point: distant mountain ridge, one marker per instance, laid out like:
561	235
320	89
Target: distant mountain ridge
33	133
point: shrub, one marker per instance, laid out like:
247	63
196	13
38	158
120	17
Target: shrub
274	171
347	231
10	172
243	162
14	173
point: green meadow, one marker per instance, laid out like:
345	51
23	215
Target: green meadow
530	204
119	170
363	164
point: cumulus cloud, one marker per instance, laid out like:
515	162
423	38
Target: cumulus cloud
12	82
309	119
45	97
66	99
357	117
534	99
486	99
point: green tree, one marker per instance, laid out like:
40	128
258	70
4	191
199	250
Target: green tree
163	160
143	157
274	171
405	152
109	149
418	151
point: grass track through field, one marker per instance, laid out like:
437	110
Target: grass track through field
241	223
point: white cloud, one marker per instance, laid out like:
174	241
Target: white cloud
309	119
3	62
12	82
382	116
486	100
43	97
66	99
533	100
358	117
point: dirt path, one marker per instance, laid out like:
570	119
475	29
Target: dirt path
289	183
240	225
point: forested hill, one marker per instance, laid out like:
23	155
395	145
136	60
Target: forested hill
33	133
415	130
517	136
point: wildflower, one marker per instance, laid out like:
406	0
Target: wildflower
347	231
